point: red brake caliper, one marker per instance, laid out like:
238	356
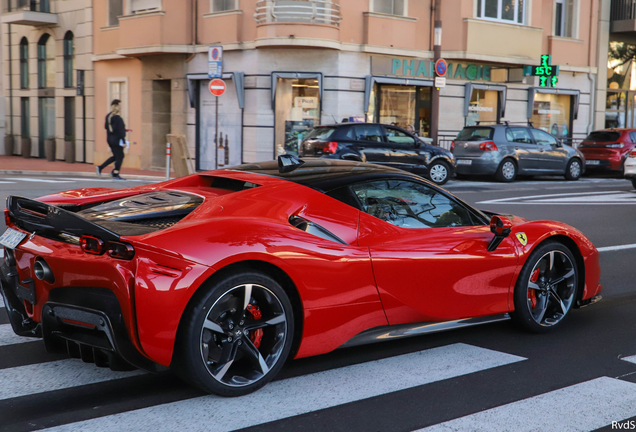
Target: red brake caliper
256	335
531	294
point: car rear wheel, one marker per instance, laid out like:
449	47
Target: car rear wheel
546	288
438	172
634	183
236	335
507	171
573	170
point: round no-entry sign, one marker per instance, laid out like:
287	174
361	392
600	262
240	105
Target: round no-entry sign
217	87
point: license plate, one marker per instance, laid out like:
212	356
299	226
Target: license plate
592	162
464	162
11	238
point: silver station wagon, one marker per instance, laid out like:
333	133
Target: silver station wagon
506	150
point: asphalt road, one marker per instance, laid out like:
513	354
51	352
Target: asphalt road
492	377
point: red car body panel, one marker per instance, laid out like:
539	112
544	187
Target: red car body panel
383	275
615	156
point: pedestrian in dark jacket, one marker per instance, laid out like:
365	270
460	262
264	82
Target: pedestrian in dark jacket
116	137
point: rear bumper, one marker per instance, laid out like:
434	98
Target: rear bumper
478	166
606	161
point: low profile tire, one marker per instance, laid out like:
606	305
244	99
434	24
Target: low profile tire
507	171
573	170
634	183
438	173
236	335
546	288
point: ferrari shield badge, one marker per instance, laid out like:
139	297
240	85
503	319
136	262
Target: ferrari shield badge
523	239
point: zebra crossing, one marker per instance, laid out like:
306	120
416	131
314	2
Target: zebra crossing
583	406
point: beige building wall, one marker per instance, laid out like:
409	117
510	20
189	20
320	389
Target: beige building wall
75	16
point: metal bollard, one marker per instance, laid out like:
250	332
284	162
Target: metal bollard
168	149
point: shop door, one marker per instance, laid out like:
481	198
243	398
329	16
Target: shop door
552	113
297	112
222	147
484	107
46	122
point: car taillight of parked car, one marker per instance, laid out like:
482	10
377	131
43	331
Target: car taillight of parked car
488	146
331	147
7	218
632	154
452	147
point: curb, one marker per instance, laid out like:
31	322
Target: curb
76	174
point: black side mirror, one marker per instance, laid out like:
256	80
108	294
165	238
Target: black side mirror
500	226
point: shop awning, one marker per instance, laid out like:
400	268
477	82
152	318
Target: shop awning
237	77
502	89
532	91
370	81
294	75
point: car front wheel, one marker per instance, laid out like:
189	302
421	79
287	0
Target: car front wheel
573	170
438	172
546	288
236	335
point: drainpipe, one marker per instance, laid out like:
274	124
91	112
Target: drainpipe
590	76
195	29
10	80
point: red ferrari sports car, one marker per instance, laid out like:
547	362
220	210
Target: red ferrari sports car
223	275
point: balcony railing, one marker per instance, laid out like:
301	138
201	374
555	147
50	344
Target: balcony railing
27	5
302	11
623	10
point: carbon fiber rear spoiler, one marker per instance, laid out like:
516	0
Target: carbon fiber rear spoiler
49	221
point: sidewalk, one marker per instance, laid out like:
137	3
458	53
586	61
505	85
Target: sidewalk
34	166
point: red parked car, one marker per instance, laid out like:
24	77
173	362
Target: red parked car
607	149
223	275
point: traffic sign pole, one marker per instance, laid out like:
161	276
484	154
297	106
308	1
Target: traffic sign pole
437	55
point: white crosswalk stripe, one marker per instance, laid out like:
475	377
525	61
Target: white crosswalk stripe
304	394
37	180
8	337
581	407
57	375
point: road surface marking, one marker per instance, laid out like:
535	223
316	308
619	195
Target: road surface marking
582	407
615	248
579	198
57	375
36	180
303	394
8	337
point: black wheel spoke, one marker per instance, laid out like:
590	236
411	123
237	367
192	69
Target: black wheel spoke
560	279
255	356
558	301
256	324
212	326
542	306
225	362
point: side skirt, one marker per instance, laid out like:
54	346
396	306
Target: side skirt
385	333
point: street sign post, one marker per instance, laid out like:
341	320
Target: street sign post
440	82
217	88
215	62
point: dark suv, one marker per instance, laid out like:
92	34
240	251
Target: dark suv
381	144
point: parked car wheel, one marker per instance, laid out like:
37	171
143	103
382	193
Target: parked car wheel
507	171
634	183
546	288
573	170
438	172
236	335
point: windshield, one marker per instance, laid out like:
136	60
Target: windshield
475	134
603	136
321	133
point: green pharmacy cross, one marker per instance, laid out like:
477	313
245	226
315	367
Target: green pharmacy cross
547	73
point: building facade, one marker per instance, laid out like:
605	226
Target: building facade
289	65
45	43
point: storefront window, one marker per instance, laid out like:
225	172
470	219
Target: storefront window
484	107
615	109
404	105
297	112
553	114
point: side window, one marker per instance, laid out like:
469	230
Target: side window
543	138
368	133
409	204
398	137
518	135
632	137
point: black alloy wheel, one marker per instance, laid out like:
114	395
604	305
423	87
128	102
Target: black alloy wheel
573	170
236	335
438	172
546	288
